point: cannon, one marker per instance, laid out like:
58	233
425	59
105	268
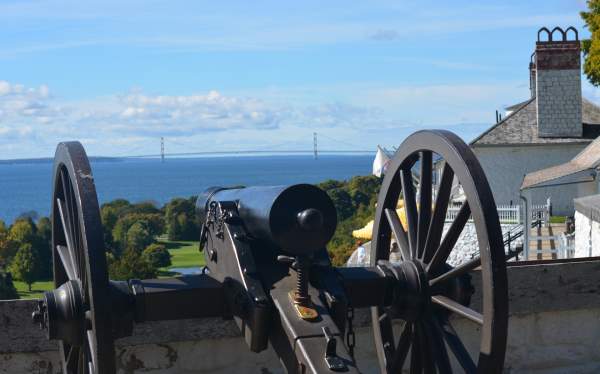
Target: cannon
268	269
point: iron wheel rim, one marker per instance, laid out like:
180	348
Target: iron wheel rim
79	255
435	332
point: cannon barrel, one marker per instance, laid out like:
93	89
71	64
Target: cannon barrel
299	219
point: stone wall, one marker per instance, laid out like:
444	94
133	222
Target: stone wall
554	327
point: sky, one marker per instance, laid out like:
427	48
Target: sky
261	75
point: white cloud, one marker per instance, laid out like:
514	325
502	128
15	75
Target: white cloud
36	120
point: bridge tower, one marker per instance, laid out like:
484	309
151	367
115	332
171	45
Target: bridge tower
162	149
315	144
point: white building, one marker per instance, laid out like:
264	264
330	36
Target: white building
554	125
587	226
567	181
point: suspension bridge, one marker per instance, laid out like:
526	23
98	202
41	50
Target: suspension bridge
333	146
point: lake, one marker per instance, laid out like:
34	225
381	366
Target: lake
26	187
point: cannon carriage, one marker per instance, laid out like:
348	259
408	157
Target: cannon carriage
269	270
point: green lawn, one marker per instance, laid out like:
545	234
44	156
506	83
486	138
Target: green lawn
184	254
37	289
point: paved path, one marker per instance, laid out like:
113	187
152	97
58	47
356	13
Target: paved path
545	249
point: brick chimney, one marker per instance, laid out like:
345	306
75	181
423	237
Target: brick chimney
557	85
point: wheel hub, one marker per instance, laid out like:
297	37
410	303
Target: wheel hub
412	296
62	312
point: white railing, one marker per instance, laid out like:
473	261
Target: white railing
540	212
566	245
506	213
509	214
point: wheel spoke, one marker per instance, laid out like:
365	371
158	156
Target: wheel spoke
401	349
66	224
427	361
457	271
439	213
410	208
458	349
91	350
72	359
442	253
424	201
81	365
415	354
458	308
399	233
67	261
438	346
386	333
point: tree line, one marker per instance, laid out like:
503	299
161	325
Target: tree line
131	232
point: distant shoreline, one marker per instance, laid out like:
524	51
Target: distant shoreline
49	160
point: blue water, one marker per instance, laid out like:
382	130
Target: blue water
27	187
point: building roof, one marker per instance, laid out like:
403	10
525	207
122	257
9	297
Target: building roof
587	160
520	127
514	107
587	204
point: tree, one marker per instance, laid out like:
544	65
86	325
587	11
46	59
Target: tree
44	247
152	222
131	265
7	288
23	231
342	201
157	255
181	220
25	265
330	184
138	237
591	46
8	247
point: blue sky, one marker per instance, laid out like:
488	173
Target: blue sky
224	76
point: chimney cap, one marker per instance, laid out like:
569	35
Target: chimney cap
562	34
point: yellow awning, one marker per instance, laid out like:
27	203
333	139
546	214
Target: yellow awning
366	232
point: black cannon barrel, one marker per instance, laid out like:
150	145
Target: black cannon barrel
299	219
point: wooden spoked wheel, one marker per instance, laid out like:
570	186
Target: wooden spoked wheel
80	269
428	342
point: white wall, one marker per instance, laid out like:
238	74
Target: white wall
586	230
505	168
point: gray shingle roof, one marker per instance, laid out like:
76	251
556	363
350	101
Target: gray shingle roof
587	159
588	204
520	127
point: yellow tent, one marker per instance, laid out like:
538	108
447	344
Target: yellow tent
367	231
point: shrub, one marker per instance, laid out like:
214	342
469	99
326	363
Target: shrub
7	288
131	265
157	255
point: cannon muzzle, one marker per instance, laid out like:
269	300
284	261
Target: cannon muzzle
299	219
